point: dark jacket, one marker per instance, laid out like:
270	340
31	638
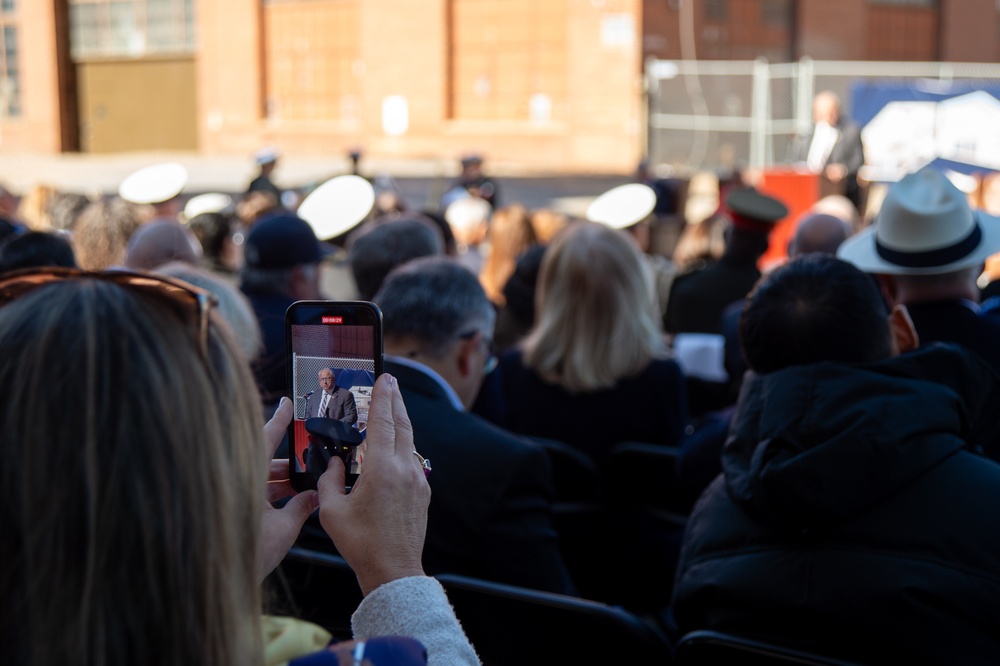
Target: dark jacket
491	506
853	518
649	407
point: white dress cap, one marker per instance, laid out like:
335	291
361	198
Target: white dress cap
623	206
213	202
338	205
154	184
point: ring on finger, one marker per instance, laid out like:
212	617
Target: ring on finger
424	462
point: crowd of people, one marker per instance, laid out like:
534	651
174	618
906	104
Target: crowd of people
830	419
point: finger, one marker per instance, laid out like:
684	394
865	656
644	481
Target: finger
277	470
279	490
403	430
331	482
275	429
381	426
299	508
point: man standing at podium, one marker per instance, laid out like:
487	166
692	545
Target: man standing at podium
833	148
333	402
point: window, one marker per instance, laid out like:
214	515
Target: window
312	62
132	28
716	10
776	13
906	3
10	76
508	60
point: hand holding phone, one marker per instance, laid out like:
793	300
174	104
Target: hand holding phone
334	357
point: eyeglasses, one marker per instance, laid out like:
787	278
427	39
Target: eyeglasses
492	359
16	284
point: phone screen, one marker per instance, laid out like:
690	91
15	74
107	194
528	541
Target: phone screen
335	354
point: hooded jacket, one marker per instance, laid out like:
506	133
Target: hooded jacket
855	516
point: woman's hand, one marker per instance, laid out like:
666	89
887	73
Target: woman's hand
379	527
280	527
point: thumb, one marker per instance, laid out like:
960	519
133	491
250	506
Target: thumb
301	506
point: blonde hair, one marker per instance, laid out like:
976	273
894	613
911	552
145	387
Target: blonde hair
101	235
35	206
131	500
547	223
594	311
700	243
509	235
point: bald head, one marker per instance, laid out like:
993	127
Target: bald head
818	233
826	108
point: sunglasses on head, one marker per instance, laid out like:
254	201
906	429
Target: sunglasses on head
193	299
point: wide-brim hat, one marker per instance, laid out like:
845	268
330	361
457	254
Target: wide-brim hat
338	205
154	184
623	206
925	227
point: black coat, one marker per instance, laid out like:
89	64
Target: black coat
958	322
853	518
491	494
698	299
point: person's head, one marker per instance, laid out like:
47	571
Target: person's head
256	205
233	307
826	108
468	218
34	249
34	208
159	242
818	308
818	232
753	215
103	231
266	160
927	243
435	312
326	379
130	517
472	166
376	249
65	209
594	315
215	233
510	233
281	257
703	242
546	224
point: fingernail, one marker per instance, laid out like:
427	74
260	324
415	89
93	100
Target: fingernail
392	381
314	500
280	403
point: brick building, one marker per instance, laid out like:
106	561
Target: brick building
545	83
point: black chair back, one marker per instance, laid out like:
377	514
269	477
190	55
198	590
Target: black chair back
709	648
513	625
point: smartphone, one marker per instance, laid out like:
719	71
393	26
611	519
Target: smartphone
334	351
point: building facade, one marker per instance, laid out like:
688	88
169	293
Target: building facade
541	83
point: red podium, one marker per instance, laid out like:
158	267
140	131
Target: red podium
798	190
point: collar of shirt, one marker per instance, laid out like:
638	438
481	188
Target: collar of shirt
445	386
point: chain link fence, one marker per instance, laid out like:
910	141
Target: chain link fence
719	115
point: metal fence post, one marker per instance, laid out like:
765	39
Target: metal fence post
804	91
760	114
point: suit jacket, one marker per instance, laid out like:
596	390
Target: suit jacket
848	149
698	299
490	514
958	322
341	406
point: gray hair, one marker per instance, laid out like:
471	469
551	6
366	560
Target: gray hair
234	308
378	248
435	300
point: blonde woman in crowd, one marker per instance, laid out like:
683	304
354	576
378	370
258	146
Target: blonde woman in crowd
510	233
594	370
135	526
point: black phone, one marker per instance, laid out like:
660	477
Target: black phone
334	351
